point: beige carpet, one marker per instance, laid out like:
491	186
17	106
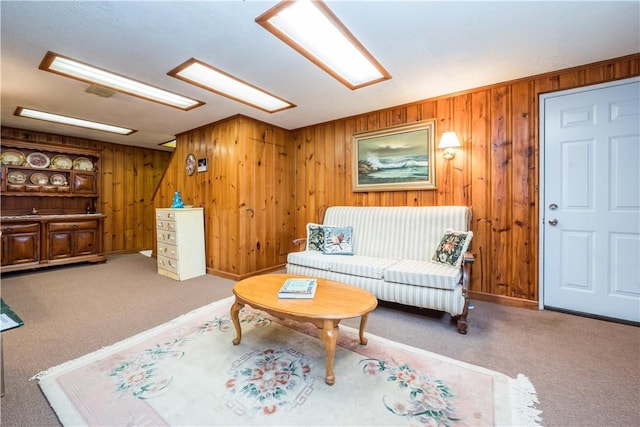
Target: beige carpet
188	372
585	371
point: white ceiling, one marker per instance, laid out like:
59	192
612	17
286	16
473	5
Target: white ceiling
430	48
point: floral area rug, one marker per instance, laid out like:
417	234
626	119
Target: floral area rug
188	372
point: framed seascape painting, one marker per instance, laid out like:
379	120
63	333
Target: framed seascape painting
397	158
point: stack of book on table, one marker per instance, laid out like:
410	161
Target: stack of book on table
298	288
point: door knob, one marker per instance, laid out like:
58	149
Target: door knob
553	222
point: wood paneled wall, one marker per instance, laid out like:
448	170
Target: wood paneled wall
496	171
128	178
247	193
264	183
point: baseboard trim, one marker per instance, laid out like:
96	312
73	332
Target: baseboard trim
238	277
504	300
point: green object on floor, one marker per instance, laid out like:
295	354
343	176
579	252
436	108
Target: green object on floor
9	319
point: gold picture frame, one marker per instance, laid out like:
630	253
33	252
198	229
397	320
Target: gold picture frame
190	164
397	158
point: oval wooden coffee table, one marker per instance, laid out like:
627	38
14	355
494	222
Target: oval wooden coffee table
333	302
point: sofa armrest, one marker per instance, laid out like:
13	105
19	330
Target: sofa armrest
300	243
467	261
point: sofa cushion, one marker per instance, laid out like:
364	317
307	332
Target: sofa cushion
337	240
313	259
315	237
423	273
452	247
361	266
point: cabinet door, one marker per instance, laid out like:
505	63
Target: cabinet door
20	244
84	242
69	239
83	182
60	244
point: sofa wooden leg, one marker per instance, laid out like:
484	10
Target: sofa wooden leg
462	324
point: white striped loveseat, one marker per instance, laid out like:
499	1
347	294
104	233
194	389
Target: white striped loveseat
392	255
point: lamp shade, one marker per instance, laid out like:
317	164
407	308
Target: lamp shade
449	140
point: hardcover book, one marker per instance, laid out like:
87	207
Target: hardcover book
298	288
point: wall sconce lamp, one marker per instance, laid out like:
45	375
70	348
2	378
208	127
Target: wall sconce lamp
448	141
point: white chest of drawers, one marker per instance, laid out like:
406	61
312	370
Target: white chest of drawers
180	233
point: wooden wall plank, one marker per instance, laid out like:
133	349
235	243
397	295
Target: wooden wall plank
107	198
341	152
129	205
146	191
480	195
460	164
522	195
501	158
119	198
265	227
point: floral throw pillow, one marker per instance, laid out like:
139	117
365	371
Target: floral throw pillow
452	247
315	237
337	241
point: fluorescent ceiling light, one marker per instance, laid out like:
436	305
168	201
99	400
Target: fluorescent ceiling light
208	77
77	70
170	144
315	32
50	117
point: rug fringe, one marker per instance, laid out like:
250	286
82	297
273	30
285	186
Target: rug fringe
525	399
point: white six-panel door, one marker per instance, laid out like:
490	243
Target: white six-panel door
590	209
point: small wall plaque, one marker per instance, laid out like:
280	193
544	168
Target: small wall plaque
202	165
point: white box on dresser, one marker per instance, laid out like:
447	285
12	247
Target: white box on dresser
180	232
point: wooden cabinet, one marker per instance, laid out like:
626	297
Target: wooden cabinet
46	240
180	237
49	194
72	239
83	183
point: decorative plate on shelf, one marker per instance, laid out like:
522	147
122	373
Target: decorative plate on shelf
61	162
58	179
17	177
12	157
39	178
38	160
82	164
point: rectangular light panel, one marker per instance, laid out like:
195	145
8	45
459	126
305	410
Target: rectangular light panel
312	29
208	77
87	73
65	120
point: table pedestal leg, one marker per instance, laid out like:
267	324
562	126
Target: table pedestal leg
235	318
329	335
363	323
